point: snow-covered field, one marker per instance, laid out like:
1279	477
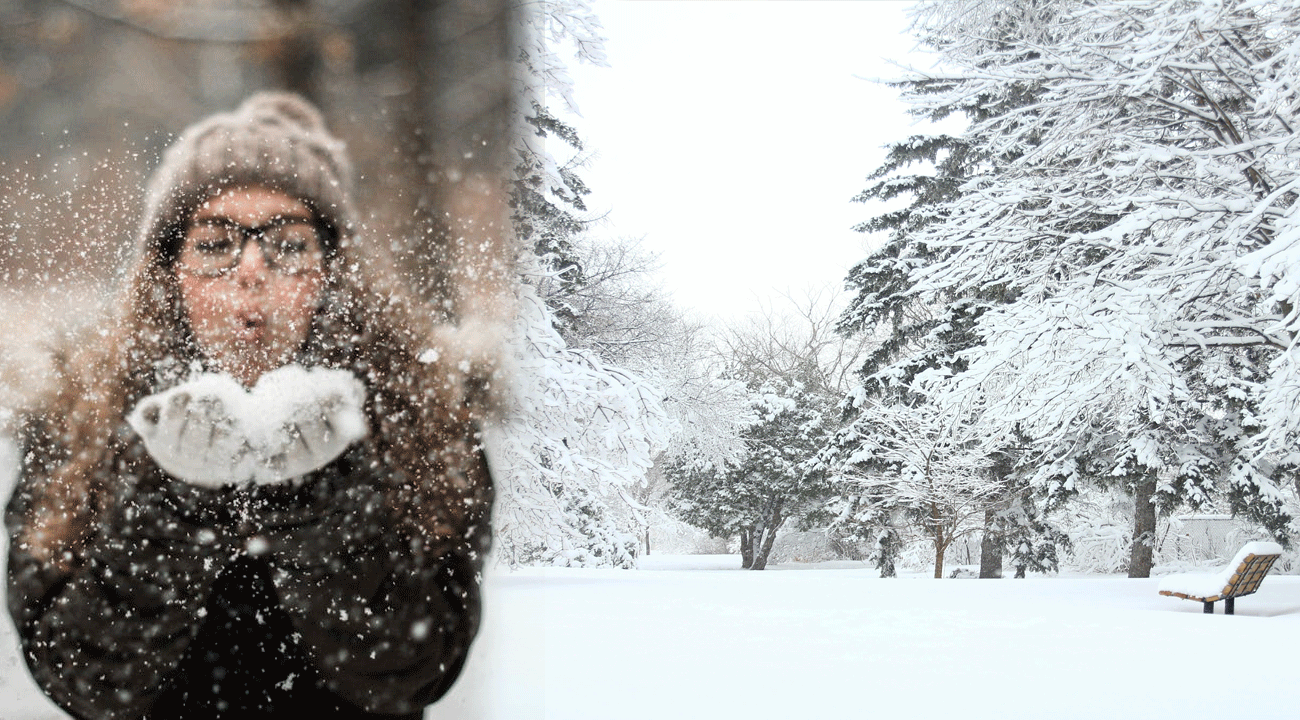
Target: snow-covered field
695	637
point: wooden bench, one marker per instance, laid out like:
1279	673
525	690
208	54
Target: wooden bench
1242	576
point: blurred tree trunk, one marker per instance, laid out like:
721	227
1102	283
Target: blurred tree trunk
415	116
296	58
455	127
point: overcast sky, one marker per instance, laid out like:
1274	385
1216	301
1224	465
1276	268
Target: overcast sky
732	135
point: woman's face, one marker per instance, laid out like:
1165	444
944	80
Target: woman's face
250	271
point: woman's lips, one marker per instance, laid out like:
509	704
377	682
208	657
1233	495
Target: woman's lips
249	329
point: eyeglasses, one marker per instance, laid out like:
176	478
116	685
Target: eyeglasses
289	245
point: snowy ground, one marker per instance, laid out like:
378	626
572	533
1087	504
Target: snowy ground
695	637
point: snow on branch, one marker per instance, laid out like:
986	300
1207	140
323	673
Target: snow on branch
576	435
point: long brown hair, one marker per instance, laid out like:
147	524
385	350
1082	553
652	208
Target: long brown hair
422	406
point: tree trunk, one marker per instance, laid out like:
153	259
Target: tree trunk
887	550
769	536
1144	527
990	547
746	548
941	541
647	541
760	557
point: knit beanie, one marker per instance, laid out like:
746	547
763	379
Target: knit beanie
275	140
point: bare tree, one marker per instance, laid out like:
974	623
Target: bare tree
799	340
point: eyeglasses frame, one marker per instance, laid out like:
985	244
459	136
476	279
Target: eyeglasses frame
324	233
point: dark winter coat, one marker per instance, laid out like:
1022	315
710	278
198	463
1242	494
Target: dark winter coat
248	601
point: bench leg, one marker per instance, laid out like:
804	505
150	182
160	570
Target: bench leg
1209	608
1227	606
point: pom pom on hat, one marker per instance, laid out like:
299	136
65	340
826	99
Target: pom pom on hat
275	140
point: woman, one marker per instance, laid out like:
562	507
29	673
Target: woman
265	489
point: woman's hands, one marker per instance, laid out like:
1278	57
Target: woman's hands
209	431
191	433
315	432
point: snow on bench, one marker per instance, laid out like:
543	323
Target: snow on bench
1240	577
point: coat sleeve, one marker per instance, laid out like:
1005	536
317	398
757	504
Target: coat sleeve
388	619
101	632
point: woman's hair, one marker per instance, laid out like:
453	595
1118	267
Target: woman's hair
421	407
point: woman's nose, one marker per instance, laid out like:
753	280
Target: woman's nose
251	267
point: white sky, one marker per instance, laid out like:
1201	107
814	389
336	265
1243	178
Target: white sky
732	135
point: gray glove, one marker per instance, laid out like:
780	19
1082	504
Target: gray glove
208	431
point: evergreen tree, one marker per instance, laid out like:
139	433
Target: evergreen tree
549	212
920	330
548	217
771	483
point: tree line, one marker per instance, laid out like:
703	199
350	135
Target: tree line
1090	289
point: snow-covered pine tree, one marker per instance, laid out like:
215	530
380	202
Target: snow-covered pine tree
922	332
548	217
549	212
1141	221
770	484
